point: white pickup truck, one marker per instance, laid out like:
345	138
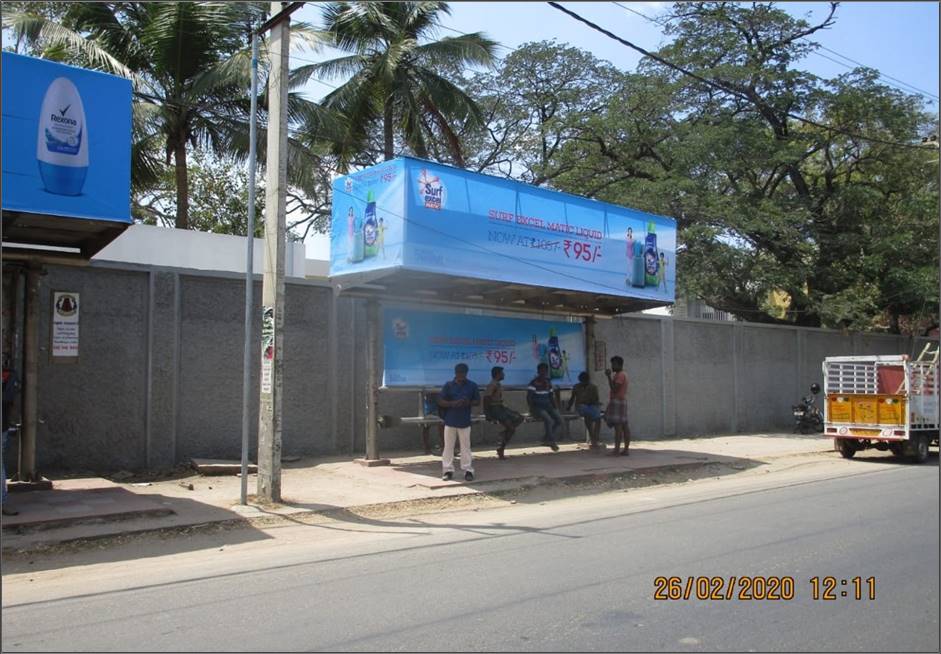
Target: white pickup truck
885	402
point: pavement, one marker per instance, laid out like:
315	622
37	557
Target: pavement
94	508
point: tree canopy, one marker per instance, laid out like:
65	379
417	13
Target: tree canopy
783	184
798	199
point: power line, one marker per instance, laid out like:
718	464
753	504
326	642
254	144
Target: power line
663	23
881	74
722	87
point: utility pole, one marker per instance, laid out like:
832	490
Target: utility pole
248	348
272	357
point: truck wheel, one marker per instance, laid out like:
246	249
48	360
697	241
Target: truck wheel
846	447
919	449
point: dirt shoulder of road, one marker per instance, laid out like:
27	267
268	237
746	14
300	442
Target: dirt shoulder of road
541	491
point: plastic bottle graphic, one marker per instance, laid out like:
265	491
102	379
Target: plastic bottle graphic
651	263
370	228
555	356
62	140
638	278
358	254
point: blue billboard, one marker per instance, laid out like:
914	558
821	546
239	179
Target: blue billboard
418	215
422	347
66	141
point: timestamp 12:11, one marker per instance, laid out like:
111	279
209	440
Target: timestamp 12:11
831	588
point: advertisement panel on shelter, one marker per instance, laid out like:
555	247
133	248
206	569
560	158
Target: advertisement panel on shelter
422	347
367	227
474	225
66	140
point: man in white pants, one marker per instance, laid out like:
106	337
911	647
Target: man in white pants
456	398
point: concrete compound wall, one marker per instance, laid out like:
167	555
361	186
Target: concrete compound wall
159	374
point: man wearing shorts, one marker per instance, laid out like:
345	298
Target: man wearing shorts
588	406
616	413
494	409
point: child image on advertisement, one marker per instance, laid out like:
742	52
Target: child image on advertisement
381	238
350	230
630	255
662	273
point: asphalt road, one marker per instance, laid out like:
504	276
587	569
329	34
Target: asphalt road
573	574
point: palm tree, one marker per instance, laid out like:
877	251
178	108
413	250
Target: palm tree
190	65
394	73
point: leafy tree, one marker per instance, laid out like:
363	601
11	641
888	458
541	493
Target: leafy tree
190	64
766	203
219	204
219	200
535	103
393	78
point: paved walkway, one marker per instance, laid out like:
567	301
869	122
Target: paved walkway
90	508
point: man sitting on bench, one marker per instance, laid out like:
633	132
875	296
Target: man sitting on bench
495	410
588	406
541	402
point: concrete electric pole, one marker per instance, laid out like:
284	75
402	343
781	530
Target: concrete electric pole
272	357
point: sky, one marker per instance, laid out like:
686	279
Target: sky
900	39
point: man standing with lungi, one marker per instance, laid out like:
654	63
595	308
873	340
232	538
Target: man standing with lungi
616	413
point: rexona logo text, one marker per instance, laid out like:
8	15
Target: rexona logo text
431	191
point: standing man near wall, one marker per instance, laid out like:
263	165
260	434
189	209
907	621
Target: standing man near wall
457	397
616	413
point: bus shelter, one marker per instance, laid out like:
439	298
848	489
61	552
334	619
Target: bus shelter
457	265
66	195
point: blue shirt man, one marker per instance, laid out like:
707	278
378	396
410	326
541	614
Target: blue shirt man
456	398
461	393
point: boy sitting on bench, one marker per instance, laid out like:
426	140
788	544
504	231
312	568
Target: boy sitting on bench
495	411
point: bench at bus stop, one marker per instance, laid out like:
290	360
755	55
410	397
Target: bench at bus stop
428	419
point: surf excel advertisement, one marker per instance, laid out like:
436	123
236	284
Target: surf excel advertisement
418	215
422	347
66	140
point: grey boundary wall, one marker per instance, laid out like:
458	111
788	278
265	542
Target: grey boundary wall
158	377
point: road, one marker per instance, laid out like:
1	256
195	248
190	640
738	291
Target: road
544	574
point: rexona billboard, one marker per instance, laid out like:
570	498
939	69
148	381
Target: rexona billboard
66	141
422	216
422	347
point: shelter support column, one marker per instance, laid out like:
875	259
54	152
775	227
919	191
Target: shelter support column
372	386
589	358
30	418
590	343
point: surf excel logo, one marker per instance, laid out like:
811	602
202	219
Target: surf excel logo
431	190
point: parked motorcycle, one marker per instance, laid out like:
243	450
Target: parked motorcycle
807	417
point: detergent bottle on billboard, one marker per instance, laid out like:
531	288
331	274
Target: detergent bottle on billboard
370	228
554	353
358	247
651	262
638	278
62	143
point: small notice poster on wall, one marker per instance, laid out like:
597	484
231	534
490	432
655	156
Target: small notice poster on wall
267	348
65	307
